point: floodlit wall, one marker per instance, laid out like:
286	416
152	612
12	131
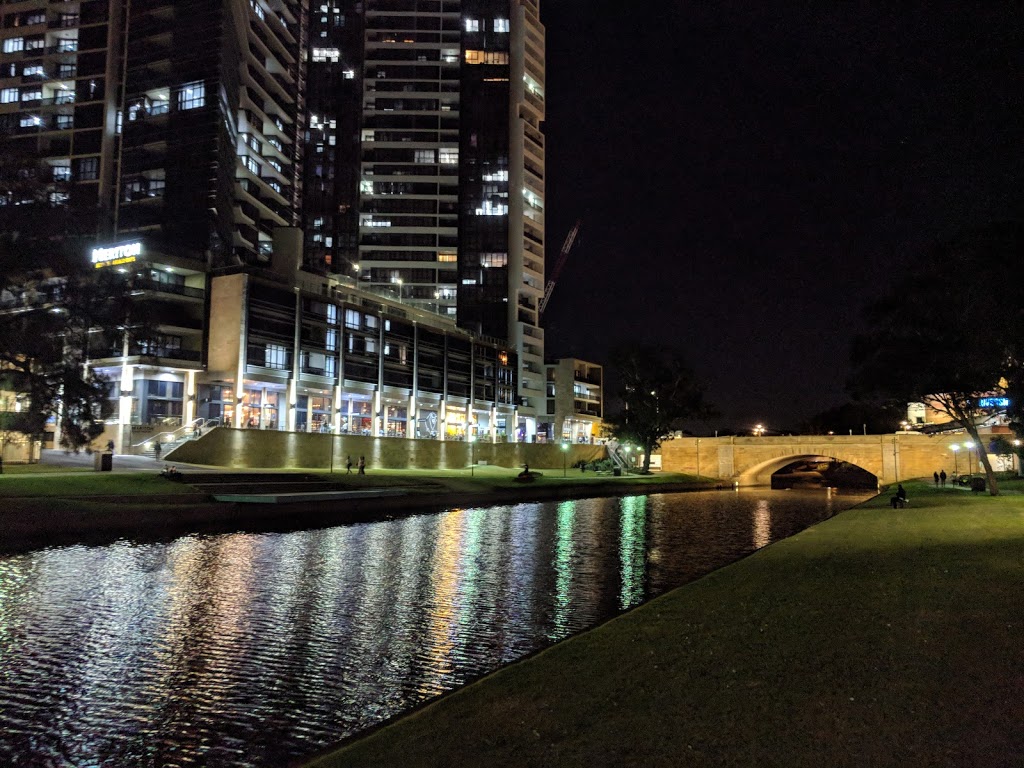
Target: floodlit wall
259	449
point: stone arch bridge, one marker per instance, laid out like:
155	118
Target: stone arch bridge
753	460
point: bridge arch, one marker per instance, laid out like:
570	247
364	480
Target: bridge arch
761	473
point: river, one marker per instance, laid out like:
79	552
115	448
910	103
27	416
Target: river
255	649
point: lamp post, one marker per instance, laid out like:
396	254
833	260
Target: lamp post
759	430
472	454
969	445
565	452
956	466
1016	458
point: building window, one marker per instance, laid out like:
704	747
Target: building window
35	69
486	57
490	260
251	165
472	25
87	169
501	25
8	95
425	156
32	94
332	55
14	44
62	173
448	257
192	95
448	156
276	356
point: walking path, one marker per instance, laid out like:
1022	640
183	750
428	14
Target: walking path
878	638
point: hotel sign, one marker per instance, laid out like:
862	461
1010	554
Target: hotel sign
116	255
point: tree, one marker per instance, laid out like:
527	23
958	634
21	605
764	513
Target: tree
949	330
47	336
657	390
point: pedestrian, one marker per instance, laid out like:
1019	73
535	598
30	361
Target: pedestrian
901	492
362	465
936	476
156	450
942	478
195	432
110	446
348	465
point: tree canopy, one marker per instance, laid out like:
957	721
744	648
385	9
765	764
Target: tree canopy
657	390
949	330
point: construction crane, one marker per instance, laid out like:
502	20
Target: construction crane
563	255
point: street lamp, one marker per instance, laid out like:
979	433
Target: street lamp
969	445
956	466
759	430
472	454
1016	444
565	452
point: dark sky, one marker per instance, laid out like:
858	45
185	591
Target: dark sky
749	174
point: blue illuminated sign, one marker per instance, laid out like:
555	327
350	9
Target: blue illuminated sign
994	402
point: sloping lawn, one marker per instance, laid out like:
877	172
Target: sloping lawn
877	638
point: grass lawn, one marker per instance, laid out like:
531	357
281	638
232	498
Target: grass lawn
878	638
87	483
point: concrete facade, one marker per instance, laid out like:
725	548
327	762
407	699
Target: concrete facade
753	460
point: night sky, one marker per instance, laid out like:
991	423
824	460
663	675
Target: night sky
749	174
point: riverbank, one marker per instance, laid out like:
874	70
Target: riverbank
880	637
54	508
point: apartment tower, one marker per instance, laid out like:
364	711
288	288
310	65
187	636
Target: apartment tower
424	163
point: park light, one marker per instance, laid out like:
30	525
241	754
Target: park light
472	454
956	466
969	445
759	430
565	453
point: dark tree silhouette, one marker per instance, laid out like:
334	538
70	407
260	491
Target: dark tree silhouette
657	389
949	330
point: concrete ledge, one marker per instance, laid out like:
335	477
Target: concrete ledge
292	498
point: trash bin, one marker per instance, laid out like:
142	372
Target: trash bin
104	462
617	472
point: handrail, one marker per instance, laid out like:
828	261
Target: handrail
183	429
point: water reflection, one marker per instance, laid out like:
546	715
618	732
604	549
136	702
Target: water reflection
253	649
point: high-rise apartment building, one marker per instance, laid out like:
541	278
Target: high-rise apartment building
192	140
424	163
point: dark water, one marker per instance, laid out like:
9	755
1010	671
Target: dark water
254	649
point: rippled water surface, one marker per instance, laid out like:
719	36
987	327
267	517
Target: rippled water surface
254	649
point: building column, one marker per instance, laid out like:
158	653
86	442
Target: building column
442	422
293	399
494	423
124	409
190	397
411	415
378	404
336	411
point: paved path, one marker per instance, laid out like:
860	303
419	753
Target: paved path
121	462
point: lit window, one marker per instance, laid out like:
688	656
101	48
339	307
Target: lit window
501	25
8	95
32	94
425	156
275	356
326	54
448	156
251	165
36	69
472	25
491	260
192	95
447	256
14	44
258	9
486	57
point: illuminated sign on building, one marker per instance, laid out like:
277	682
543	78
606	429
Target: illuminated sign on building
116	255
994	402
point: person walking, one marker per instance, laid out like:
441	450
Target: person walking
936	476
156	450
348	465
362	465
942	478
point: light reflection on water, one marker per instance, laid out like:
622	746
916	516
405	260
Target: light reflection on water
254	649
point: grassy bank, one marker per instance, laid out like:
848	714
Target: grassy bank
482	480
880	637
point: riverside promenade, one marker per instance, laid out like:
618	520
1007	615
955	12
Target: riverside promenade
877	638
